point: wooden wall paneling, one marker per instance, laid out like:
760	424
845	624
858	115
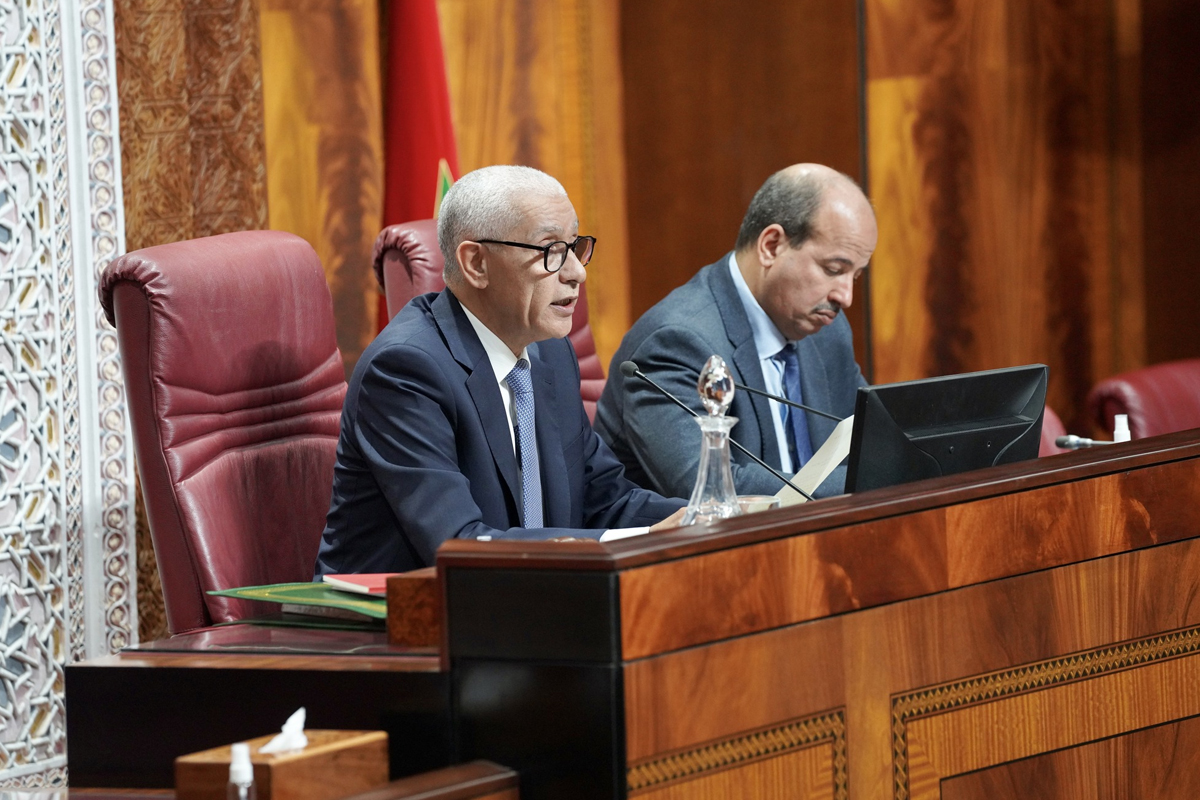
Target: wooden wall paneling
992	165
938	686
225	91
192	153
537	82
156	162
324	145
1170	123
717	97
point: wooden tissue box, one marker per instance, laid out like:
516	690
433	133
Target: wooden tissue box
334	764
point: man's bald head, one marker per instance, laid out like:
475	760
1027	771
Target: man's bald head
791	199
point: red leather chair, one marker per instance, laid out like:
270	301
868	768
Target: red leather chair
1160	399
235	389
407	262
1052	428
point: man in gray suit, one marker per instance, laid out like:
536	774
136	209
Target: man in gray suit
771	310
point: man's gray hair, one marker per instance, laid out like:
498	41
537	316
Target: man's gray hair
485	204
789	200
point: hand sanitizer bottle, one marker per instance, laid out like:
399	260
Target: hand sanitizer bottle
241	774
1121	428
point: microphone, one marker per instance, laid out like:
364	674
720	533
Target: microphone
630	370
1073	442
787	402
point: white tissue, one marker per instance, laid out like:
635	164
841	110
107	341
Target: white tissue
292	737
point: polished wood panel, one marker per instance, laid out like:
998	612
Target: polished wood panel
956	742
414	609
1158	762
680	603
538	82
947	638
994	139
806	774
826	514
475	780
717	97
1170	140
324	145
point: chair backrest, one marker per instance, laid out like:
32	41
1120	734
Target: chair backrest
235	388
407	262
1160	399
1052	428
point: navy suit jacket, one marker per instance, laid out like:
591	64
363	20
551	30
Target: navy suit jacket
655	439
425	452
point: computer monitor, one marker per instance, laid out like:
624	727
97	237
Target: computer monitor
941	426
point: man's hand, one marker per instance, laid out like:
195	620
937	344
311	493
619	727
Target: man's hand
672	521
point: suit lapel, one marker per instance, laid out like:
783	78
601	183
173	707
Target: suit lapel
814	385
467	350
745	356
556	499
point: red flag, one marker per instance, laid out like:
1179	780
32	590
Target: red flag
420	159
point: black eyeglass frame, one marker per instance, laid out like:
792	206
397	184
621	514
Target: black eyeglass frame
545	250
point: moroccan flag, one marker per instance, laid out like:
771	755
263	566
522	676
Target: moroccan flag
420	159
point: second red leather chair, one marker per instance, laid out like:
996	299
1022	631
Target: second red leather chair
407	263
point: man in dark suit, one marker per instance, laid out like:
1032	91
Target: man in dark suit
463	418
771	310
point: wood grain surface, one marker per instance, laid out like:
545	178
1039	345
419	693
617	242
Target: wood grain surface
1167	139
414	605
995	133
943	685
825	514
680	603
324	145
1155	762
474	780
709	116
538	82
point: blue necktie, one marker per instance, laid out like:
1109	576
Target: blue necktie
794	419
531	477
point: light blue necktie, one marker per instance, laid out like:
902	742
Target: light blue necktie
531	477
794	419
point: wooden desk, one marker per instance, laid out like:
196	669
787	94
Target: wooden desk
1026	631
130	715
1031	630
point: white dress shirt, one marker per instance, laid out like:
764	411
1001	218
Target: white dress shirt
768	341
502	360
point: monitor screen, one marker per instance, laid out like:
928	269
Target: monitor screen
941	426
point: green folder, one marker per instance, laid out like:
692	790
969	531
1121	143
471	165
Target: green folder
313	598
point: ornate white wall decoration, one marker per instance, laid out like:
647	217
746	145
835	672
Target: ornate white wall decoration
66	523
109	570
33	452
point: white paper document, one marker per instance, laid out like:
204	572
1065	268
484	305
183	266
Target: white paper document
823	462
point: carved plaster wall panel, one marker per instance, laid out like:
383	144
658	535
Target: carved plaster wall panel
65	489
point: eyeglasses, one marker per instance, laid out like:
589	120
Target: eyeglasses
554	255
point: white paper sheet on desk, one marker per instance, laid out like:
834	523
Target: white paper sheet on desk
823	462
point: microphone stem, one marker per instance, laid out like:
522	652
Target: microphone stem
785	401
732	441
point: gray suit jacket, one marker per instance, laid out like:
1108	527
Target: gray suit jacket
655	439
